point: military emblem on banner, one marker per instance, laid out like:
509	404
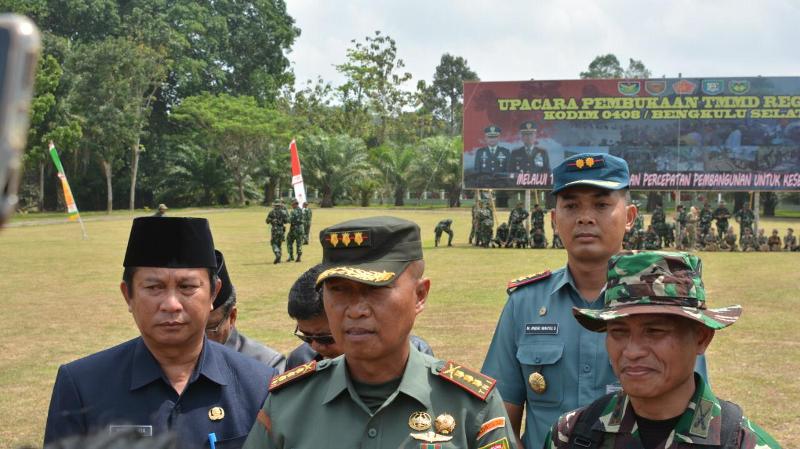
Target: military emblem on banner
629	88
713	87
684	87
739	87
655	87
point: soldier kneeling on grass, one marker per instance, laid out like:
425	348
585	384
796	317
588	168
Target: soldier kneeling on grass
656	324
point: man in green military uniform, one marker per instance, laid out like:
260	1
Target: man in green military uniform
442	227
277	219
500	237
651	239
748	241
306	222
746	218
486	226
518	234
710	241
706	216
296	233
762	241
722	214
656	323
537	217
790	241
681	218
659	223
383	392
473	232
538	239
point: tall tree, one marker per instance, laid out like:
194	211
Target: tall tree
396	163
448	87
237	128
374	84
608	66
331	163
110	94
439	166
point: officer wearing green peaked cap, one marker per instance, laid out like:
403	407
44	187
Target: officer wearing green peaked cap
656	322
382	392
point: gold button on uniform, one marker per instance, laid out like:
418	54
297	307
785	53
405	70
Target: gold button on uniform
537	383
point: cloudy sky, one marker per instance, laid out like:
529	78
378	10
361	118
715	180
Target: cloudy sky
556	39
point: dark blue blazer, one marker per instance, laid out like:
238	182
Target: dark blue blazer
124	387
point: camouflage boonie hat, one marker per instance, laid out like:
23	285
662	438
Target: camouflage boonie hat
661	282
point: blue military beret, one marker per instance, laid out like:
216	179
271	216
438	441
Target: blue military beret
591	169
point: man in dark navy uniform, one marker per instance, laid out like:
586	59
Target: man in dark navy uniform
492	158
170	378
529	158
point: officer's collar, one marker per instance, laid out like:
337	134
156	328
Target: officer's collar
145	368
414	382
567	279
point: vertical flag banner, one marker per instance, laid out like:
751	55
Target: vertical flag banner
72	208
297	175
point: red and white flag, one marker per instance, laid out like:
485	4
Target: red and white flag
297	175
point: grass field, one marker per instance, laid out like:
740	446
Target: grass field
62	302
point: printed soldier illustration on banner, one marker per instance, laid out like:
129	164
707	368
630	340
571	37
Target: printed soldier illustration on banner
683	134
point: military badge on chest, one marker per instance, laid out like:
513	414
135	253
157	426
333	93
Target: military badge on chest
444	425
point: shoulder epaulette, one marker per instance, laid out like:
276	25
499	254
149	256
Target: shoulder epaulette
476	383
290	376
529	279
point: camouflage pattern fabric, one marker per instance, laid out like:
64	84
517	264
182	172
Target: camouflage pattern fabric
537	218
485	226
538	239
518	234
655	282
746	218
706	216
441	227
296	232
500	237
721	214
276	219
701	423
652	240
306	224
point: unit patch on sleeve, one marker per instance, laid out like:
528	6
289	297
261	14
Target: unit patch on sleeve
525	280
475	382
502	443
492	424
292	375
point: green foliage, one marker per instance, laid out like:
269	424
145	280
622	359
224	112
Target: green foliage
445	96
331	163
396	164
438	166
608	66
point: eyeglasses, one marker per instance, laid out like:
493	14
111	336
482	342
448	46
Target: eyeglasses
323	339
215	329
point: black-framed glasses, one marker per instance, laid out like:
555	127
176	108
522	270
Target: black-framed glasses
323	339
215	329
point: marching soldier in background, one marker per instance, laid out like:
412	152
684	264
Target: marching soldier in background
659	223
651	347
722	214
277	220
306	222
296	235
746	218
492	158
383	393
518	235
441	227
529	158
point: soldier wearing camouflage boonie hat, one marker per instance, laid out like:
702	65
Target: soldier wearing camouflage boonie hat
656	282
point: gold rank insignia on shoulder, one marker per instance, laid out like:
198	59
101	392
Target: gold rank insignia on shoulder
292	375
216	413
529	279
474	382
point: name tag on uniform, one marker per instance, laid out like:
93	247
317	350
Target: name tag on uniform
145	431
613	388
541	329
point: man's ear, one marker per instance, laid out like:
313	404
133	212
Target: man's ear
631	211
422	289
217	288
123	288
704	335
233	315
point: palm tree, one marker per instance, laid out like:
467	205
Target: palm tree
397	166
331	163
439	166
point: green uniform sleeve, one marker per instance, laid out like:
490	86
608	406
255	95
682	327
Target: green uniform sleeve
259	437
494	427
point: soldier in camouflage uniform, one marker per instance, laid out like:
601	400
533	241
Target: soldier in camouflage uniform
441	227
538	239
681	218
729	242
774	241
691	227
518	235
656	322
659	223
537	217
651	239
748	241
501	237
706	216
790	241
722	214
745	217
306	223
710	241
277	219
762	241
473	232
296	235
637	231
486	226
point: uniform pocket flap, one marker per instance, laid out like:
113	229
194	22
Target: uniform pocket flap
540	354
